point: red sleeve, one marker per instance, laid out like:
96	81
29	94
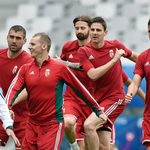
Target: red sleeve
72	81
128	52
84	61
124	76
139	67
15	87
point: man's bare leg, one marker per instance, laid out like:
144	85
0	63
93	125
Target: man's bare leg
90	126
70	132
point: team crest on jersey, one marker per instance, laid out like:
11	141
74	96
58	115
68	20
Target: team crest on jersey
14	70
47	72
111	53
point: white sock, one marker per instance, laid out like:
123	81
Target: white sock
74	145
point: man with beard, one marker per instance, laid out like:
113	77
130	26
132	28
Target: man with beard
74	107
12	58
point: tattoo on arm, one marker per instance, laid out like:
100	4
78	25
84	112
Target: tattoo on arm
74	66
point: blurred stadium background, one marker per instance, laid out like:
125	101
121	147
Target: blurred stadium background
127	22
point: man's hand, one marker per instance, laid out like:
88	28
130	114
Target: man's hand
57	57
12	114
11	133
128	98
118	54
103	117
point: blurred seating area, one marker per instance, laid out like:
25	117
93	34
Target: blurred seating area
126	19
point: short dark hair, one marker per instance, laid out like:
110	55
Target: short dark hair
18	28
148	22
101	21
84	18
44	39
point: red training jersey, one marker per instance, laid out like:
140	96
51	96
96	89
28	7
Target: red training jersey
110	85
70	53
9	68
142	68
45	85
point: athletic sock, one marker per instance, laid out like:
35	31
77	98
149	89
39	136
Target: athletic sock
74	145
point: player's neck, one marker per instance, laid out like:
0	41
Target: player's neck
98	44
12	55
84	42
40	59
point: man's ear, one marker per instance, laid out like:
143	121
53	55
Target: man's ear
25	40
44	46
106	31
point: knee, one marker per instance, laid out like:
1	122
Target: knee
104	146
88	126
69	124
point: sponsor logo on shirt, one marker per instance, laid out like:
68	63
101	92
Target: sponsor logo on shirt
147	64
14	69
70	56
32	73
47	72
111	53
91	57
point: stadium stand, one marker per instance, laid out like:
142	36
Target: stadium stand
126	20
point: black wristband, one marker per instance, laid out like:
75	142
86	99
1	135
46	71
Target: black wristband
10	127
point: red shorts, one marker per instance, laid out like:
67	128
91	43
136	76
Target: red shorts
43	137
112	109
19	129
80	122
146	131
79	112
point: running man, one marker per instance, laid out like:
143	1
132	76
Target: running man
141	70
100	59
44	79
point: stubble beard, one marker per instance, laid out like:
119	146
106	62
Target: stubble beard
16	50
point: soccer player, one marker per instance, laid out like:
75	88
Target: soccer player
127	81
74	107
141	70
12	58
44	79
100	59
6	119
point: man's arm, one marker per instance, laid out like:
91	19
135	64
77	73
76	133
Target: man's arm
139	91
133	88
74	66
134	56
96	73
21	97
6	119
11	133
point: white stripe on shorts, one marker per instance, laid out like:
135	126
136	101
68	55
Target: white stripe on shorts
58	136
